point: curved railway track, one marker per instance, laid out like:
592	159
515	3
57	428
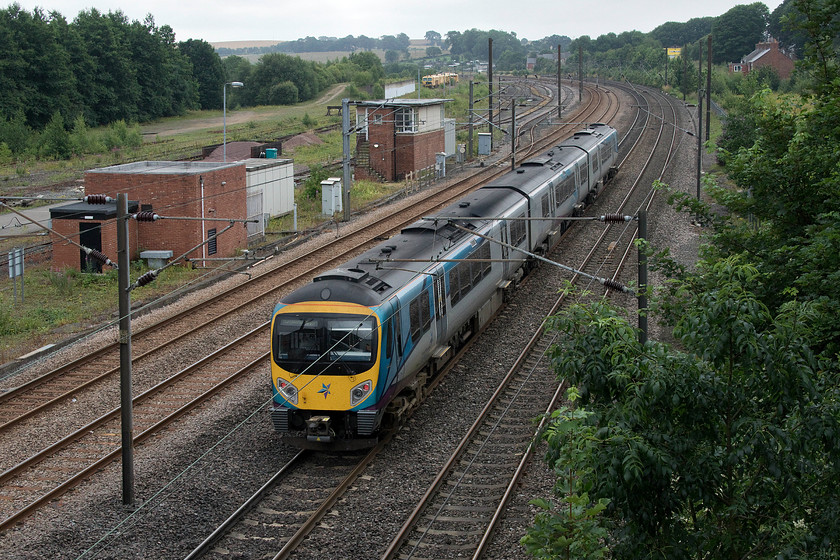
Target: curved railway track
77	458
459	511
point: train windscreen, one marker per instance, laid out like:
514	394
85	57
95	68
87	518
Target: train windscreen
329	344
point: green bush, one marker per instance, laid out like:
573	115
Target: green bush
121	135
312	186
54	141
6	155
82	141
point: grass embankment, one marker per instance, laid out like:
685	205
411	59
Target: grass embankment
62	303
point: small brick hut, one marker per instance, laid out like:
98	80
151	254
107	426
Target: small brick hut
397	136
200	190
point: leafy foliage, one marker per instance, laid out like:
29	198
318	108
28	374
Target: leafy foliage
55	140
207	71
726	447
312	185
570	528
725	450
735	33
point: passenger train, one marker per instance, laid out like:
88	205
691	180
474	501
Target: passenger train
362	342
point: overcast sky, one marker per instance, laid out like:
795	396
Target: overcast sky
284	20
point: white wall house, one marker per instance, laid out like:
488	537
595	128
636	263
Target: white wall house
270	185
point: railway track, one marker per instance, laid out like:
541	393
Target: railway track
362	522
284	510
522	396
21	497
458	514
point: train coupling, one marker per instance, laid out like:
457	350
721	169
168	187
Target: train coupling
319	429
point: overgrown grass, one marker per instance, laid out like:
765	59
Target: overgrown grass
70	302
362	194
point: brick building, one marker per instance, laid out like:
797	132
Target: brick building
91	225
199	190
397	136
766	53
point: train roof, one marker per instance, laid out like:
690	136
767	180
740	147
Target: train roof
373	276
369	280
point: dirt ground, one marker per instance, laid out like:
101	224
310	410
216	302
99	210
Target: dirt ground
234	117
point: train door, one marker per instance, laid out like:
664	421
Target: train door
583	168
439	293
505	238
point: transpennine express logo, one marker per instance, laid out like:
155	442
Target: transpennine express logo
325	389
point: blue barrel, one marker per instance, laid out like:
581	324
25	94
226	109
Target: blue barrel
271	153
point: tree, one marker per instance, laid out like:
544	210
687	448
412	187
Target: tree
35	73
790	37
735	33
452	42
275	68
284	93
818	22
433	37
545	66
55	140
674	34
724	450
392	57
111	89
15	133
236	69
433	51
207	70
368	61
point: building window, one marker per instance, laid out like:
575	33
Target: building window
405	119
211	244
377	118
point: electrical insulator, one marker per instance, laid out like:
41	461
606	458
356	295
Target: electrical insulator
615	218
146	278
146	217
613	285
98	199
100	257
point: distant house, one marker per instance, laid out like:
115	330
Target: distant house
769	54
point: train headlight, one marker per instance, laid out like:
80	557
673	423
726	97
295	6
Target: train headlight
288	390
360	392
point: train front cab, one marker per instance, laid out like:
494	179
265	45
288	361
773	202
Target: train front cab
325	360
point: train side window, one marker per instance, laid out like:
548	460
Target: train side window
475	270
419	315
546	205
389	338
483	253
456	288
517	231
464	278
